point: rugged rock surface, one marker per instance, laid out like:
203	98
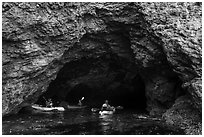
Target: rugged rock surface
161	91
179	115
179	26
159	41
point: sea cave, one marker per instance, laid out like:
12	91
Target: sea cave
142	56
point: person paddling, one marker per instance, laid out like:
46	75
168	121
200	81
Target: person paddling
48	102
106	106
80	101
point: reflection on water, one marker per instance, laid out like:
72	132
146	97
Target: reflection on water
83	122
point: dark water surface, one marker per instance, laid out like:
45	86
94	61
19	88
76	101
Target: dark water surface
84	122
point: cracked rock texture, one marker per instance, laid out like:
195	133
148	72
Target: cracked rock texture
179	115
162	40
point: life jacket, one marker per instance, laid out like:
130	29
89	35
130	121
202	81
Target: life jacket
105	106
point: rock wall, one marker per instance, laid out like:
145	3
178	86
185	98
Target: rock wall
179	26
183	114
161	39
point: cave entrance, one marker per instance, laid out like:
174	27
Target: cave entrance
128	92
98	79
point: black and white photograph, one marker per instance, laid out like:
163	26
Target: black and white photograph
101	68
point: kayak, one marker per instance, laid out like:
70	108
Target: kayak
94	110
106	112
75	107
67	106
47	108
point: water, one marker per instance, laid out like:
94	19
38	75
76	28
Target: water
84	122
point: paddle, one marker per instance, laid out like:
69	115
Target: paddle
97	109
119	107
82	98
80	101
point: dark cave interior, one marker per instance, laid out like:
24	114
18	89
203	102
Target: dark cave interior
106	70
97	79
106	78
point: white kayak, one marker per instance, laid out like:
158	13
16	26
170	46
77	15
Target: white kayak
47	108
107	112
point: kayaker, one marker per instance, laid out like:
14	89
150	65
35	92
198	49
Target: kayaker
49	103
106	106
80	101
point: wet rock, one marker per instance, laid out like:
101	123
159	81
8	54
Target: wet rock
184	115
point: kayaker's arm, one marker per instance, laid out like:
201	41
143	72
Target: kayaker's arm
80	101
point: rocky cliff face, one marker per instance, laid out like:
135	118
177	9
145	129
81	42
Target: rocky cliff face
159	41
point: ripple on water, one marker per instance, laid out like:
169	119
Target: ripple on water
86	123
